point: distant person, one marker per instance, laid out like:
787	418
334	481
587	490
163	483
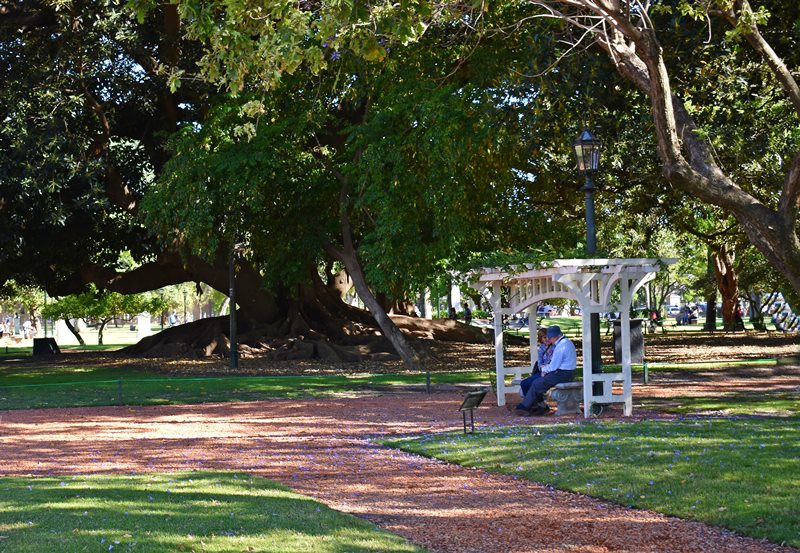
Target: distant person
27	329
453	315
561	368
467	315
173	319
738	317
683	316
653	320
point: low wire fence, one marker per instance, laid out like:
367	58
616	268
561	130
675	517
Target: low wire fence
185	390
164	391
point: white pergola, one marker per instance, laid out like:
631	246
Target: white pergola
589	282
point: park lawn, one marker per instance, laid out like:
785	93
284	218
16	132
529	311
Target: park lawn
740	473
30	387
779	403
197	511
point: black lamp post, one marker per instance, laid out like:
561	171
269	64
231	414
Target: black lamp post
184	306
161	295
587	154
232	309
44	319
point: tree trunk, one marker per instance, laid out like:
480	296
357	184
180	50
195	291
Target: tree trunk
755	314
387	326
727	283
349	257
449	294
710	295
34	318
102	327
75	332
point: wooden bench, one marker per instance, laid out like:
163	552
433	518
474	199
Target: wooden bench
668	324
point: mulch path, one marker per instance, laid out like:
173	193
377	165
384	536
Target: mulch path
322	448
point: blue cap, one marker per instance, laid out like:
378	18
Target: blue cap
553	331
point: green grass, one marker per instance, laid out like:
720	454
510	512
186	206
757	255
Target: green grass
742	474
571	326
708	365
763	403
47	386
212	512
27	351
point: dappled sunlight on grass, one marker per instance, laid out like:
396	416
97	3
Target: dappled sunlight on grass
172	512
778	402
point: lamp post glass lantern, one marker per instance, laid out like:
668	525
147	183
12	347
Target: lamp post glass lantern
587	151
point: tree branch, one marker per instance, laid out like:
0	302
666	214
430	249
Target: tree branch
790	198
119	193
15	16
746	19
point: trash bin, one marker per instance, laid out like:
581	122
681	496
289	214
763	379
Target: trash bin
45	346
637	341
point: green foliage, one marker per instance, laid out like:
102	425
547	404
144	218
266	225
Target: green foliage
515	261
444	140
56	215
266	42
265	190
13	294
424	141
449	125
101	307
737	473
207	511
95	305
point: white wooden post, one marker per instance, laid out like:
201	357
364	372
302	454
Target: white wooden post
586	335
533	331
498	344
626	298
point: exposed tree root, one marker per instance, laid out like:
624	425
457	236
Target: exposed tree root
353	342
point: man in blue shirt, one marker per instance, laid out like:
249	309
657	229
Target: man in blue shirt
560	369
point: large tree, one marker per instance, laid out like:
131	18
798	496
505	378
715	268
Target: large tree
307	180
87	109
408	166
717	75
